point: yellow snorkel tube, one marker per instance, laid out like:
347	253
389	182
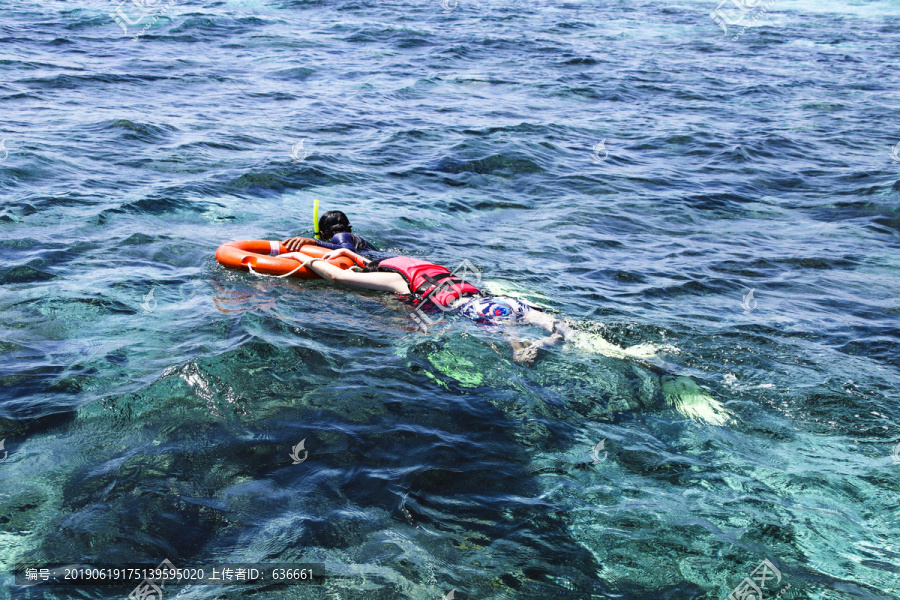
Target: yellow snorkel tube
316	219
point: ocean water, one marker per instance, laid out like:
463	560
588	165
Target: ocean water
714	212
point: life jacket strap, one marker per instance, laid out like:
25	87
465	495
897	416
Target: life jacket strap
433	282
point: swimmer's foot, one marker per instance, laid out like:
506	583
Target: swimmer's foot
526	355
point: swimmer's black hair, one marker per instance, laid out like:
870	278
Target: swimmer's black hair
332	223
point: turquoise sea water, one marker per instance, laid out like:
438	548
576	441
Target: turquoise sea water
627	165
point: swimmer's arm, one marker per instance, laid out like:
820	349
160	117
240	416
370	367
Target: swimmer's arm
385	282
548	322
298	256
360	260
305	258
526	352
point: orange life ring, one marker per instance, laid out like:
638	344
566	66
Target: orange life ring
261	256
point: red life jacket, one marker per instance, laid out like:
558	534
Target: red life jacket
427	281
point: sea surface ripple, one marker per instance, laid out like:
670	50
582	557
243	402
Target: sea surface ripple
727	199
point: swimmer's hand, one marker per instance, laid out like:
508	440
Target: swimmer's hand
295	243
359	260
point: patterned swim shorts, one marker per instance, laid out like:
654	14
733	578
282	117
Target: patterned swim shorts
494	310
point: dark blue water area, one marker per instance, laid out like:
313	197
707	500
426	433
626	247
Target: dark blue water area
714	213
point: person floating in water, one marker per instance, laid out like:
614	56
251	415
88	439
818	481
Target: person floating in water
433	285
334	226
424	282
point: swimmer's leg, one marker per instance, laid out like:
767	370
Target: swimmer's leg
561	330
680	392
684	395
526	352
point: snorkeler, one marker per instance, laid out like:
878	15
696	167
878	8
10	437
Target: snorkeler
424	282
435	286
335	227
